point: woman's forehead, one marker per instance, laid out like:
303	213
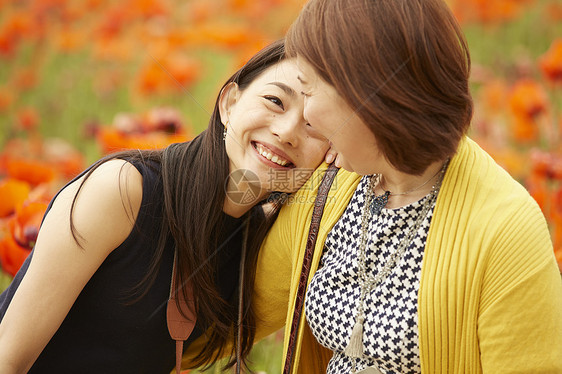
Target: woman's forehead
285	71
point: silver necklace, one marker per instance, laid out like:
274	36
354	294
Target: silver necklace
372	207
409	191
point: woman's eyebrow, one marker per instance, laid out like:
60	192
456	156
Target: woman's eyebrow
288	90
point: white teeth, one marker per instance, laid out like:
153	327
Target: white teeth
273	158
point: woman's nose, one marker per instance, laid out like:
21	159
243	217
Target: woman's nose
287	130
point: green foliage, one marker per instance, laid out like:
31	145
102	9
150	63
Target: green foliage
505	47
265	357
5	280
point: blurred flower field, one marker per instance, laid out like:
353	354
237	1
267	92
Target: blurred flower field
83	78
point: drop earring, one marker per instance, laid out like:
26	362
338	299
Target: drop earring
225	129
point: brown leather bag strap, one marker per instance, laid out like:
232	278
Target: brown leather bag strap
319	203
180	327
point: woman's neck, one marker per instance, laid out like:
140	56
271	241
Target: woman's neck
407	188
241	197
235	210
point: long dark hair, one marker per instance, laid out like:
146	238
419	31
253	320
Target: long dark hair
194	174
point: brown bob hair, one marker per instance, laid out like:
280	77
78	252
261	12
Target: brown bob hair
403	65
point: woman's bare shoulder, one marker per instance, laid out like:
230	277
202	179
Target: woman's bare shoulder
105	204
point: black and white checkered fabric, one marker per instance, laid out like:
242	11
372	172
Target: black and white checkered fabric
391	321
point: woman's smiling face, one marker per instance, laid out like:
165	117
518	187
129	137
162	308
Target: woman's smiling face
267	133
330	115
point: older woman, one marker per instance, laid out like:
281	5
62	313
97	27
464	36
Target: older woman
430	258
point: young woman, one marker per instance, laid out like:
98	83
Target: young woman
430	258
92	296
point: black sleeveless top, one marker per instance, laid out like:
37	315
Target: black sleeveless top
104	332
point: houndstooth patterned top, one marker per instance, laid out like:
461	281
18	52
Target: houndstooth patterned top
391	321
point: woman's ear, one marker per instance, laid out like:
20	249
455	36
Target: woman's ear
227	99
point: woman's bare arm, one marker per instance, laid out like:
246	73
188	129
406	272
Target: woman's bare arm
104	215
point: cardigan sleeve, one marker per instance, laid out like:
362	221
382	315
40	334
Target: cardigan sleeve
520	322
273	277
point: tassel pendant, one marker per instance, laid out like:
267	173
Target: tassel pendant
355	347
378	203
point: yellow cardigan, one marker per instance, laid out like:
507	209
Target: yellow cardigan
490	298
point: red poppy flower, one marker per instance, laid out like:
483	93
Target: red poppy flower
21	238
528	99
487	11
32	171
28	119
12	255
13	193
551	62
168	74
